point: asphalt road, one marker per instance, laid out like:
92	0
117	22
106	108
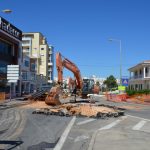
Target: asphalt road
20	129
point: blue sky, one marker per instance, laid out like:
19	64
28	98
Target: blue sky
80	30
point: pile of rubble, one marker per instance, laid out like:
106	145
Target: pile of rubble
88	110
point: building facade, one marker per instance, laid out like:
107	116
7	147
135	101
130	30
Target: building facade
28	75
35	46
140	76
10	52
51	65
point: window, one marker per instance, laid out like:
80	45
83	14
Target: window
146	70
5	48
24	75
33	76
3	68
41	62
140	71
26	63
50	59
32	66
42	48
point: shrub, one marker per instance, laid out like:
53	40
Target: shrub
133	92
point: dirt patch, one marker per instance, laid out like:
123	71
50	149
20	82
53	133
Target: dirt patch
88	110
37	104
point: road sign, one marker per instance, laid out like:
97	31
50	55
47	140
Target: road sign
121	88
12	81
12	73
12	78
125	81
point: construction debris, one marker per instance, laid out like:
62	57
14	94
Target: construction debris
87	110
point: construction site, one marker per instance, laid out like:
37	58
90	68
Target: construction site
80	118
74	75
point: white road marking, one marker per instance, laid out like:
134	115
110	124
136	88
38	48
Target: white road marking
80	138
92	140
138	117
139	125
112	124
86	121
64	135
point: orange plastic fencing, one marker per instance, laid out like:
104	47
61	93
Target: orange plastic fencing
116	97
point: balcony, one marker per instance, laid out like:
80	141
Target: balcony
50	81
137	77
26	41
50	52
50	64
50	69
26	44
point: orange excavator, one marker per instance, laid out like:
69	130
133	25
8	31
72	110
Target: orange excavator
85	86
61	62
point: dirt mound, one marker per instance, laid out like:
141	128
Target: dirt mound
88	110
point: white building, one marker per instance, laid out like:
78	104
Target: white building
140	76
36	46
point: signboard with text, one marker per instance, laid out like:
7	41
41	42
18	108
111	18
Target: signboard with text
12	73
10	29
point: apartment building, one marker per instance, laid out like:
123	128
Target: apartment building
10	54
35	46
140	76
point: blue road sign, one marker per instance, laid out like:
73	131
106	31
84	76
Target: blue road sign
125	82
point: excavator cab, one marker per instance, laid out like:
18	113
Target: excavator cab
88	86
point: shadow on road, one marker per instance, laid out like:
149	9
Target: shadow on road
43	145
12	143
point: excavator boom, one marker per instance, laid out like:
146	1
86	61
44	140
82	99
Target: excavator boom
53	96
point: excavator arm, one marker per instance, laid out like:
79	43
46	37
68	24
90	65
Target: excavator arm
53	96
73	68
60	64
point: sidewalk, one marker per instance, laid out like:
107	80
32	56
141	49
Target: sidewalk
115	140
4	104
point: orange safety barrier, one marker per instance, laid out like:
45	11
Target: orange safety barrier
116	97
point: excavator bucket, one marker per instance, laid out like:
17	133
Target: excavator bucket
53	97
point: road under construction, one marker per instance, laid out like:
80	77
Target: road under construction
59	121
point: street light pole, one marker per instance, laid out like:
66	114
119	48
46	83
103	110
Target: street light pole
120	62
120	47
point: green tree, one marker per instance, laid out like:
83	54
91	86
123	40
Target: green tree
97	83
111	82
